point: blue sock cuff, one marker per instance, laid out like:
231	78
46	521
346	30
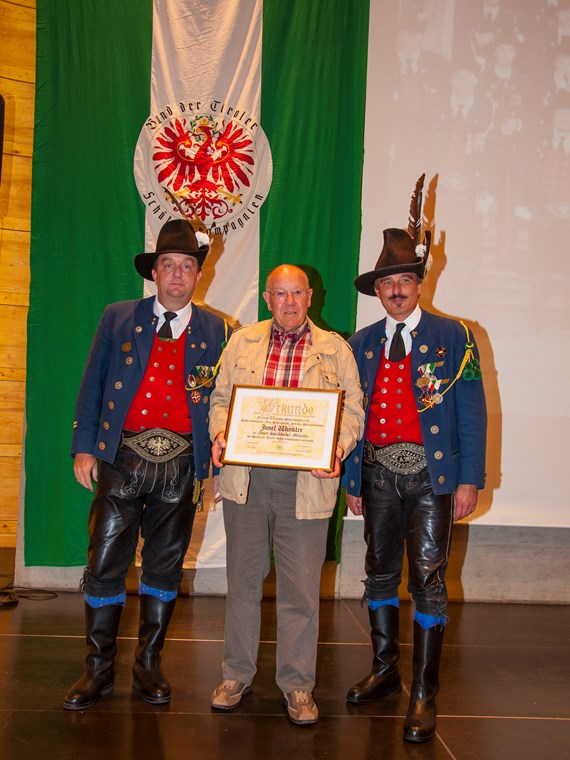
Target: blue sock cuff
430	621
105	601
164	596
374	605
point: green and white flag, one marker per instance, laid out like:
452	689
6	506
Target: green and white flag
246	115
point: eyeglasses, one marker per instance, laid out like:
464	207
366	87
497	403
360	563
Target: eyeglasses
281	295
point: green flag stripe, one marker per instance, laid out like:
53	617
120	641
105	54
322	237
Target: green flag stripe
312	110
92	95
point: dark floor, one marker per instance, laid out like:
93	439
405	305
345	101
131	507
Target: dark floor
505	688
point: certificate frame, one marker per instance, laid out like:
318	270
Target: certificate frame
291	428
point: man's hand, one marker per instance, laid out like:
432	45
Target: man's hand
85	468
354	503
217	447
465	501
322	474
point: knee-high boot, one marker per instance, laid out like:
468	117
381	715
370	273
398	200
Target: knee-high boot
101	626
147	677
419	725
384	678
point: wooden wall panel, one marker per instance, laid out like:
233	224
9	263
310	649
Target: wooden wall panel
17	78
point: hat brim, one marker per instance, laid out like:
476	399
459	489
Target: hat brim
364	283
144	262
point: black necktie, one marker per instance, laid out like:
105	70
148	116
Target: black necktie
166	330
397	347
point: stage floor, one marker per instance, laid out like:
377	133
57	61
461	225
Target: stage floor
505	688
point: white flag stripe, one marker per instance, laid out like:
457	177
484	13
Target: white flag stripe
211	51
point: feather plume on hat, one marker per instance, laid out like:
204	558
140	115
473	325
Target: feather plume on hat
415	214
402	250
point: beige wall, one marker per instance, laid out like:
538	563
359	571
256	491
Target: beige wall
17	76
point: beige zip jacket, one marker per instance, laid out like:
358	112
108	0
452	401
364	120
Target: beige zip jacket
329	365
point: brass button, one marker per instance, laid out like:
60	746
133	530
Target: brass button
102	446
205	399
352	483
111	404
118	385
129	360
106	425
356	460
434	429
441	479
438	455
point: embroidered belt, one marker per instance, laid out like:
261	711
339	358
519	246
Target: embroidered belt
401	458
157	444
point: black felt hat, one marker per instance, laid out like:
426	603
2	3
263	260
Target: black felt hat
176	236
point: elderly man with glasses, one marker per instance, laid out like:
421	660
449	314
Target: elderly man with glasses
284	510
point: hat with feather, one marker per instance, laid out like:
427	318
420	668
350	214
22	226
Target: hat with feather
402	250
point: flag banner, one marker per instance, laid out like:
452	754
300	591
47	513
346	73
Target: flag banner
246	117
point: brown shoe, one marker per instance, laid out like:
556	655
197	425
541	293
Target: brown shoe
228	694
301	708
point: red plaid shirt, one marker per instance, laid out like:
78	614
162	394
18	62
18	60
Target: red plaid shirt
286	356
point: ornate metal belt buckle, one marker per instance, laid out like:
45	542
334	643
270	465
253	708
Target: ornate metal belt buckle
402	458
157	445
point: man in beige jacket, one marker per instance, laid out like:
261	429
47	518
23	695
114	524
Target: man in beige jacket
280	509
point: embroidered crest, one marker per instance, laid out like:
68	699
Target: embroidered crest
211	156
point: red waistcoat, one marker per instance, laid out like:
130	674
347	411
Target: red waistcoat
160	401
393	415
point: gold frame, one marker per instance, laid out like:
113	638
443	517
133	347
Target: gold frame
291	428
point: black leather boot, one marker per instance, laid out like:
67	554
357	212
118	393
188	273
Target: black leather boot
419	725
147	678
101	625
384	678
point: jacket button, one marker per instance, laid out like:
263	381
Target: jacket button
434	429
118	385
438	455
356	460
102	446
111	404
352	483
106	425
442	479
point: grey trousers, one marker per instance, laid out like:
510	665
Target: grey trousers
268	521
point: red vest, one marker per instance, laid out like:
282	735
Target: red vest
160	401
393	415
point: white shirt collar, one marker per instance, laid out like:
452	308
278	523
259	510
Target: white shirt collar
178	323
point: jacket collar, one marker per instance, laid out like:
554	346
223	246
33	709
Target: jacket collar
321	339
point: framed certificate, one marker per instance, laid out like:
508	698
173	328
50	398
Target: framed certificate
295	428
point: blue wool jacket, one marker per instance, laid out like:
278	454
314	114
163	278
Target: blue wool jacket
116	365
455	430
